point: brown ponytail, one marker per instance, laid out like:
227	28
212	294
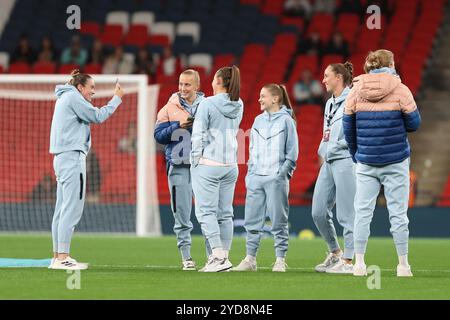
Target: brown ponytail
345	70
280	91
231	79
78	78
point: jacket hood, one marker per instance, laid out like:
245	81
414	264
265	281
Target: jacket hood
175	99
284	111
375	86
343	95
61	89
230	109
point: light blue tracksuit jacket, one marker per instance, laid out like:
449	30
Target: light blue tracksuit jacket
273	156
70	141
71	119
214	138
215	128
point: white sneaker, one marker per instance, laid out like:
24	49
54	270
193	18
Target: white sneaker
360	270
246	266
70	259
330	261
189	265
206	263
404	271
217	265
279	266
341	267
68	264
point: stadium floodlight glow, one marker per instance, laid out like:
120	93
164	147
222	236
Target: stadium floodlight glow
140	101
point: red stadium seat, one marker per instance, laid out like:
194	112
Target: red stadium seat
93	68
273	7
158	40
301	63
358	61
222	60
112	34
92	28
44	68
285	44
67	68
19	68
323	24
298	22
349	24
137	35
369	40
329	59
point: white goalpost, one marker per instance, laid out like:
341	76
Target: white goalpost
123	196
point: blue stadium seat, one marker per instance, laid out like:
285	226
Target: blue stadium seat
210	47
155	49
183	45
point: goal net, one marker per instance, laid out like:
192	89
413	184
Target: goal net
121	192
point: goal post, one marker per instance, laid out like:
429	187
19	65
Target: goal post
124	194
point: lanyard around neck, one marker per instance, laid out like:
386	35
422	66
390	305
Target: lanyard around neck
330	115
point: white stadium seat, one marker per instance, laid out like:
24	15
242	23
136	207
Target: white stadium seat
189	29
164	28
201	59
143	17
119	17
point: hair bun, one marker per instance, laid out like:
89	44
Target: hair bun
349	66
75	72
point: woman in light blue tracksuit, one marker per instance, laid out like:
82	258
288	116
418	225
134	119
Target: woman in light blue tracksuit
336	183
70	141
214	168
273	157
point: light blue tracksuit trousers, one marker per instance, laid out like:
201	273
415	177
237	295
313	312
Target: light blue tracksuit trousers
214	192
336	184
267	194
395	179
179	178
70	171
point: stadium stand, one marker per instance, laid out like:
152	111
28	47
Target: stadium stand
206	35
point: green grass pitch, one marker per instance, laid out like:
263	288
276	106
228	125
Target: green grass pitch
149	268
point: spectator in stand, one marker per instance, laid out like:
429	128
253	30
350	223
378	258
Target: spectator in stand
97	53
169	65
128	143
47	53
74	54
350	6
308	90
297	8
117	64
324	6
24	52
45	190
311	45
338	45
144	64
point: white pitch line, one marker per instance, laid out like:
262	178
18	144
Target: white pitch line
263	268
